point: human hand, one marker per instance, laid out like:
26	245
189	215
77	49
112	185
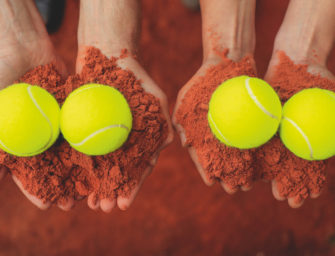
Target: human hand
24	45
111	33
306	37
226	25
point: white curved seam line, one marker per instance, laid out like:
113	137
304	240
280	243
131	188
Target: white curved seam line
330	94
43	114
302	134
99	131
254	98
216	128
8	149
95	86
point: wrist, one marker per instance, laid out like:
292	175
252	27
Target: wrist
228	24
307	33
110	25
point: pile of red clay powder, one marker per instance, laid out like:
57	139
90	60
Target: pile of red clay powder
296	178
61	172
235	167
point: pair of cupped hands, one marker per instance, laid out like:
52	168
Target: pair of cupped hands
112	25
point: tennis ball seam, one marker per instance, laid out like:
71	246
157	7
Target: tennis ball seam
31	96
296	126
216	128
256	101
85	89
92	135
330	94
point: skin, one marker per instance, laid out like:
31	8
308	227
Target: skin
24	45
233	24
23	35
116	29
307	30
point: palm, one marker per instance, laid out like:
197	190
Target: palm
123	202
226	179
280	188
16	59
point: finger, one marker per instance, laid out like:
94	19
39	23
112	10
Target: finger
199	167
275	191
36	201
67	205
228	188
125	202
181	133
246	188
107	205
165	110
154	159
315	195
93	202
294	203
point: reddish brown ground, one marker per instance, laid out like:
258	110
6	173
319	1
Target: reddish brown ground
175	213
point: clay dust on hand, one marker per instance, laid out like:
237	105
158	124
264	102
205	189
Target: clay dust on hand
295	177
235	167
62	172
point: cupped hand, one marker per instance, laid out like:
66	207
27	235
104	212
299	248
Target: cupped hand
193	151
295	201
226	25
306	36
111	33
123	202
24	45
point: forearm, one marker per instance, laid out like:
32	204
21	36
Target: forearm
20	20
110	25
308	30
228	24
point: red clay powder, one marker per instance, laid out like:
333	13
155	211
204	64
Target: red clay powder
62	172
235	167
295	177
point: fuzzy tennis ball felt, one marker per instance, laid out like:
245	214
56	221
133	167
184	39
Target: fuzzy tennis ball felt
244	112
308	124
29	119
96	119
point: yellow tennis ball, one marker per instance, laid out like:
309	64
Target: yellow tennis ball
95	119
29	119
308	125
244	112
